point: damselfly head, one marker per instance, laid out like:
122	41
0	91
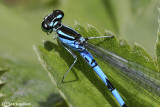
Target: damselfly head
51	20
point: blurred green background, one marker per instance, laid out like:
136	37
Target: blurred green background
20	28
135	20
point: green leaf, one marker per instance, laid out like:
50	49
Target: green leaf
121	47
82	87
18	85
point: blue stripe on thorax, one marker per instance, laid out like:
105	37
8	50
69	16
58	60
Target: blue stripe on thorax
62	33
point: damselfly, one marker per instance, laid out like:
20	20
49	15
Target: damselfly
72	40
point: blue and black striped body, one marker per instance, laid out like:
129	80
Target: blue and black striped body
72	40
69	37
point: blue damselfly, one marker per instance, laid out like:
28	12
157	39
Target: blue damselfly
72	40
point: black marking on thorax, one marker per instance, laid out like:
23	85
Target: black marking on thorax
70	32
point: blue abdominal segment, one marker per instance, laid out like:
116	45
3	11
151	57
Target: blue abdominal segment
90	60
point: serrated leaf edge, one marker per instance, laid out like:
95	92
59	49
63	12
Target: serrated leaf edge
50	75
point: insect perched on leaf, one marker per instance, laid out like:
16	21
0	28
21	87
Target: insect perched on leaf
71	40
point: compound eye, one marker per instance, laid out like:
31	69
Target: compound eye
46	26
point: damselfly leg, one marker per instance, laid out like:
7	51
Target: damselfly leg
74	56
99	37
